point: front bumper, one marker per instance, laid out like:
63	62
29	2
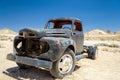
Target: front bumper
30	61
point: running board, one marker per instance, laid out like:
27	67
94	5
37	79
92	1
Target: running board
81	56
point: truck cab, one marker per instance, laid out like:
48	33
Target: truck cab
74	25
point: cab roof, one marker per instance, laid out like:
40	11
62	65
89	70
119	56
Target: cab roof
65	19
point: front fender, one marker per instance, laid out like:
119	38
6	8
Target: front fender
57	48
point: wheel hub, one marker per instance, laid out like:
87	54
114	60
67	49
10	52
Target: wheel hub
65	63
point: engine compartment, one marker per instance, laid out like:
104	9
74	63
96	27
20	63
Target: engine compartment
30	47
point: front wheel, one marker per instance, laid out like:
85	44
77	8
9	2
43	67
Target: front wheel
65	65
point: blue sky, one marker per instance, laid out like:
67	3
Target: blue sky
94	14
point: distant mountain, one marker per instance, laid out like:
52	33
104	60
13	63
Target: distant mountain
7	31
97	32
108	31
117	32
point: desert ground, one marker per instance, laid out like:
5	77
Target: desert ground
105	67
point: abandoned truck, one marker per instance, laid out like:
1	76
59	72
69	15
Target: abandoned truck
56	47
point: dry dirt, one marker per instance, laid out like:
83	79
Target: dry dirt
105	67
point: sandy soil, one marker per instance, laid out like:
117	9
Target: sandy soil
105	67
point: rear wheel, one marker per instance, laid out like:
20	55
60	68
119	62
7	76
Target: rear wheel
92	52
64	66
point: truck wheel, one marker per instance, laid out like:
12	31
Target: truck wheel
92	52
64	66
22	66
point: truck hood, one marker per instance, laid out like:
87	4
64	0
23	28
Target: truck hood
66	33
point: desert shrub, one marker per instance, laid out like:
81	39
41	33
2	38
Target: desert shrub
108	45
114	45
109	49
105	49
103	37
102	44
3	38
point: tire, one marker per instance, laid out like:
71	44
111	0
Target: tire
92	52
64	66
95	52
23	66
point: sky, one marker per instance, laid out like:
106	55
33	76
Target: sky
94	14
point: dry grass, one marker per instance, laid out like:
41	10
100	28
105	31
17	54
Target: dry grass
109	49
2	45
113	45
104	49
3	37
102	37
109	46
6	37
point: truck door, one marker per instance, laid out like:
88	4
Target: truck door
78	37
